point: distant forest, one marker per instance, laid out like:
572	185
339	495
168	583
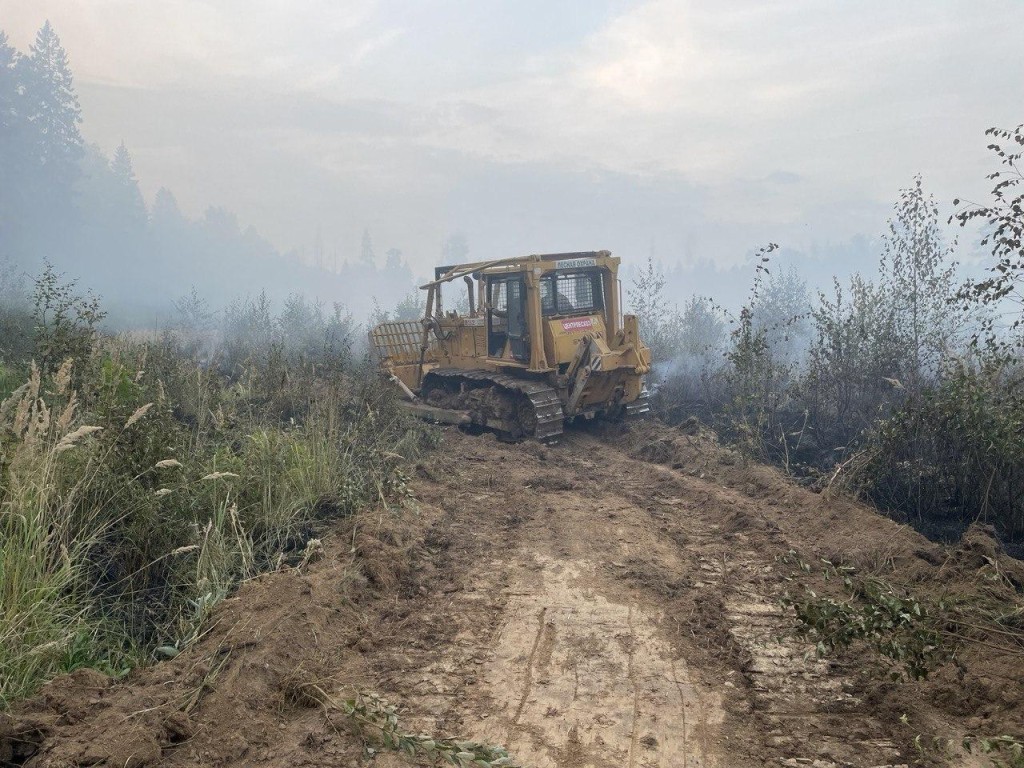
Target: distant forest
63	201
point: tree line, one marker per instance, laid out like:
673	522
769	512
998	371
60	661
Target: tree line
903	386
63	201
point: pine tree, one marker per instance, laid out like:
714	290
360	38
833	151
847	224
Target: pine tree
9	92
54	114
366	254
130	198
166	213
12	135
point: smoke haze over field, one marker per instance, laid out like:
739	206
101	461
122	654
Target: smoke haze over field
695	131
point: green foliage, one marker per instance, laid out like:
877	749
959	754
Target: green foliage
303	333
412	307
138	486
952	454
753	391
780	309
877	342
898	626
702	330
998	747
875	386
1003	221
47	533
756	408
380	726
691	382
16	325
917	280
65	321
647	300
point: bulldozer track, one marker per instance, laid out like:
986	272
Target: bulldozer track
547	406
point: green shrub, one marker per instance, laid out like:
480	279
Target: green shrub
952	455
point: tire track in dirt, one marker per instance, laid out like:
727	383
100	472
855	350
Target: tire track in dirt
528	683
606	528
629	644
608	695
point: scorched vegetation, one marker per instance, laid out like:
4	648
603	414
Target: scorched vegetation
902	387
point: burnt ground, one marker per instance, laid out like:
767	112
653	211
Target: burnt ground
613	600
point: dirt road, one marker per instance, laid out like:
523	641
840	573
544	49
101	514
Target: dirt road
609	601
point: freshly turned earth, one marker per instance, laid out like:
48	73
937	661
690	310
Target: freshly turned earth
609	601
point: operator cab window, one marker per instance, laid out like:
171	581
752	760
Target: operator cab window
506	297
571	293
499	298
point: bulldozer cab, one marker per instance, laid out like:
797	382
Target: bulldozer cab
558	290
568	293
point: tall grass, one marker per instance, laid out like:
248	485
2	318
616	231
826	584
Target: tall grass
45	535
141	482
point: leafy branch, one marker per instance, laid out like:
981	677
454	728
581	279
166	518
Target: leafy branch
1011	747
897	625
380	724
914	634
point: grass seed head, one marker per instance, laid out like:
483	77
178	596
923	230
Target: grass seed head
71	439
62	379
67	415
218	475
139	413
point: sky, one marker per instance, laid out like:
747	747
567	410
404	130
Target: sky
696	130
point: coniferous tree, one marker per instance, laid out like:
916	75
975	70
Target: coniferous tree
11	138
8	84
366	254
455	249
393	260
166	213
55	111
130	198
55	144
10	107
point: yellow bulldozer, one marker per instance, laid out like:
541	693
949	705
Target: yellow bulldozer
537	340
